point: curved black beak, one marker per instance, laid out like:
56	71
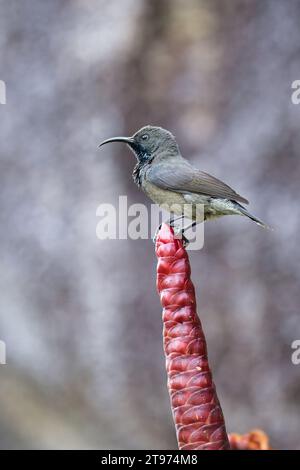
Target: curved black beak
126	140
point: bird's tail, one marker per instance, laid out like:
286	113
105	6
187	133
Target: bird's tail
244	211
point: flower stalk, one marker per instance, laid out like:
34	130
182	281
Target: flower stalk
197	413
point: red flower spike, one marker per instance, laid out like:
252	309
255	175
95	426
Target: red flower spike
196	409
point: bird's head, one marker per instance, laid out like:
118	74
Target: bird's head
148	142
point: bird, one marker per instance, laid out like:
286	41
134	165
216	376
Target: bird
171	181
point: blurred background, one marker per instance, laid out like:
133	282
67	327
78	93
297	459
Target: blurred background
80	317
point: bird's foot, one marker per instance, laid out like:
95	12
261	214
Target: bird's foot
179	234
156	233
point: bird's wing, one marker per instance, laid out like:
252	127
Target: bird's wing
180	176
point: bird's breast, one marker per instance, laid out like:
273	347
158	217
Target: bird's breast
164	197
194	206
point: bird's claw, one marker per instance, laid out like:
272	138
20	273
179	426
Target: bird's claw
179	234
156	233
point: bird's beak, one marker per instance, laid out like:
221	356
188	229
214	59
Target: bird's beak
126	140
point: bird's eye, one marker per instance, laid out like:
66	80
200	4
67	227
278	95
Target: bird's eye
145	137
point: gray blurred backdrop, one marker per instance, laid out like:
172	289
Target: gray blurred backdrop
80	316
